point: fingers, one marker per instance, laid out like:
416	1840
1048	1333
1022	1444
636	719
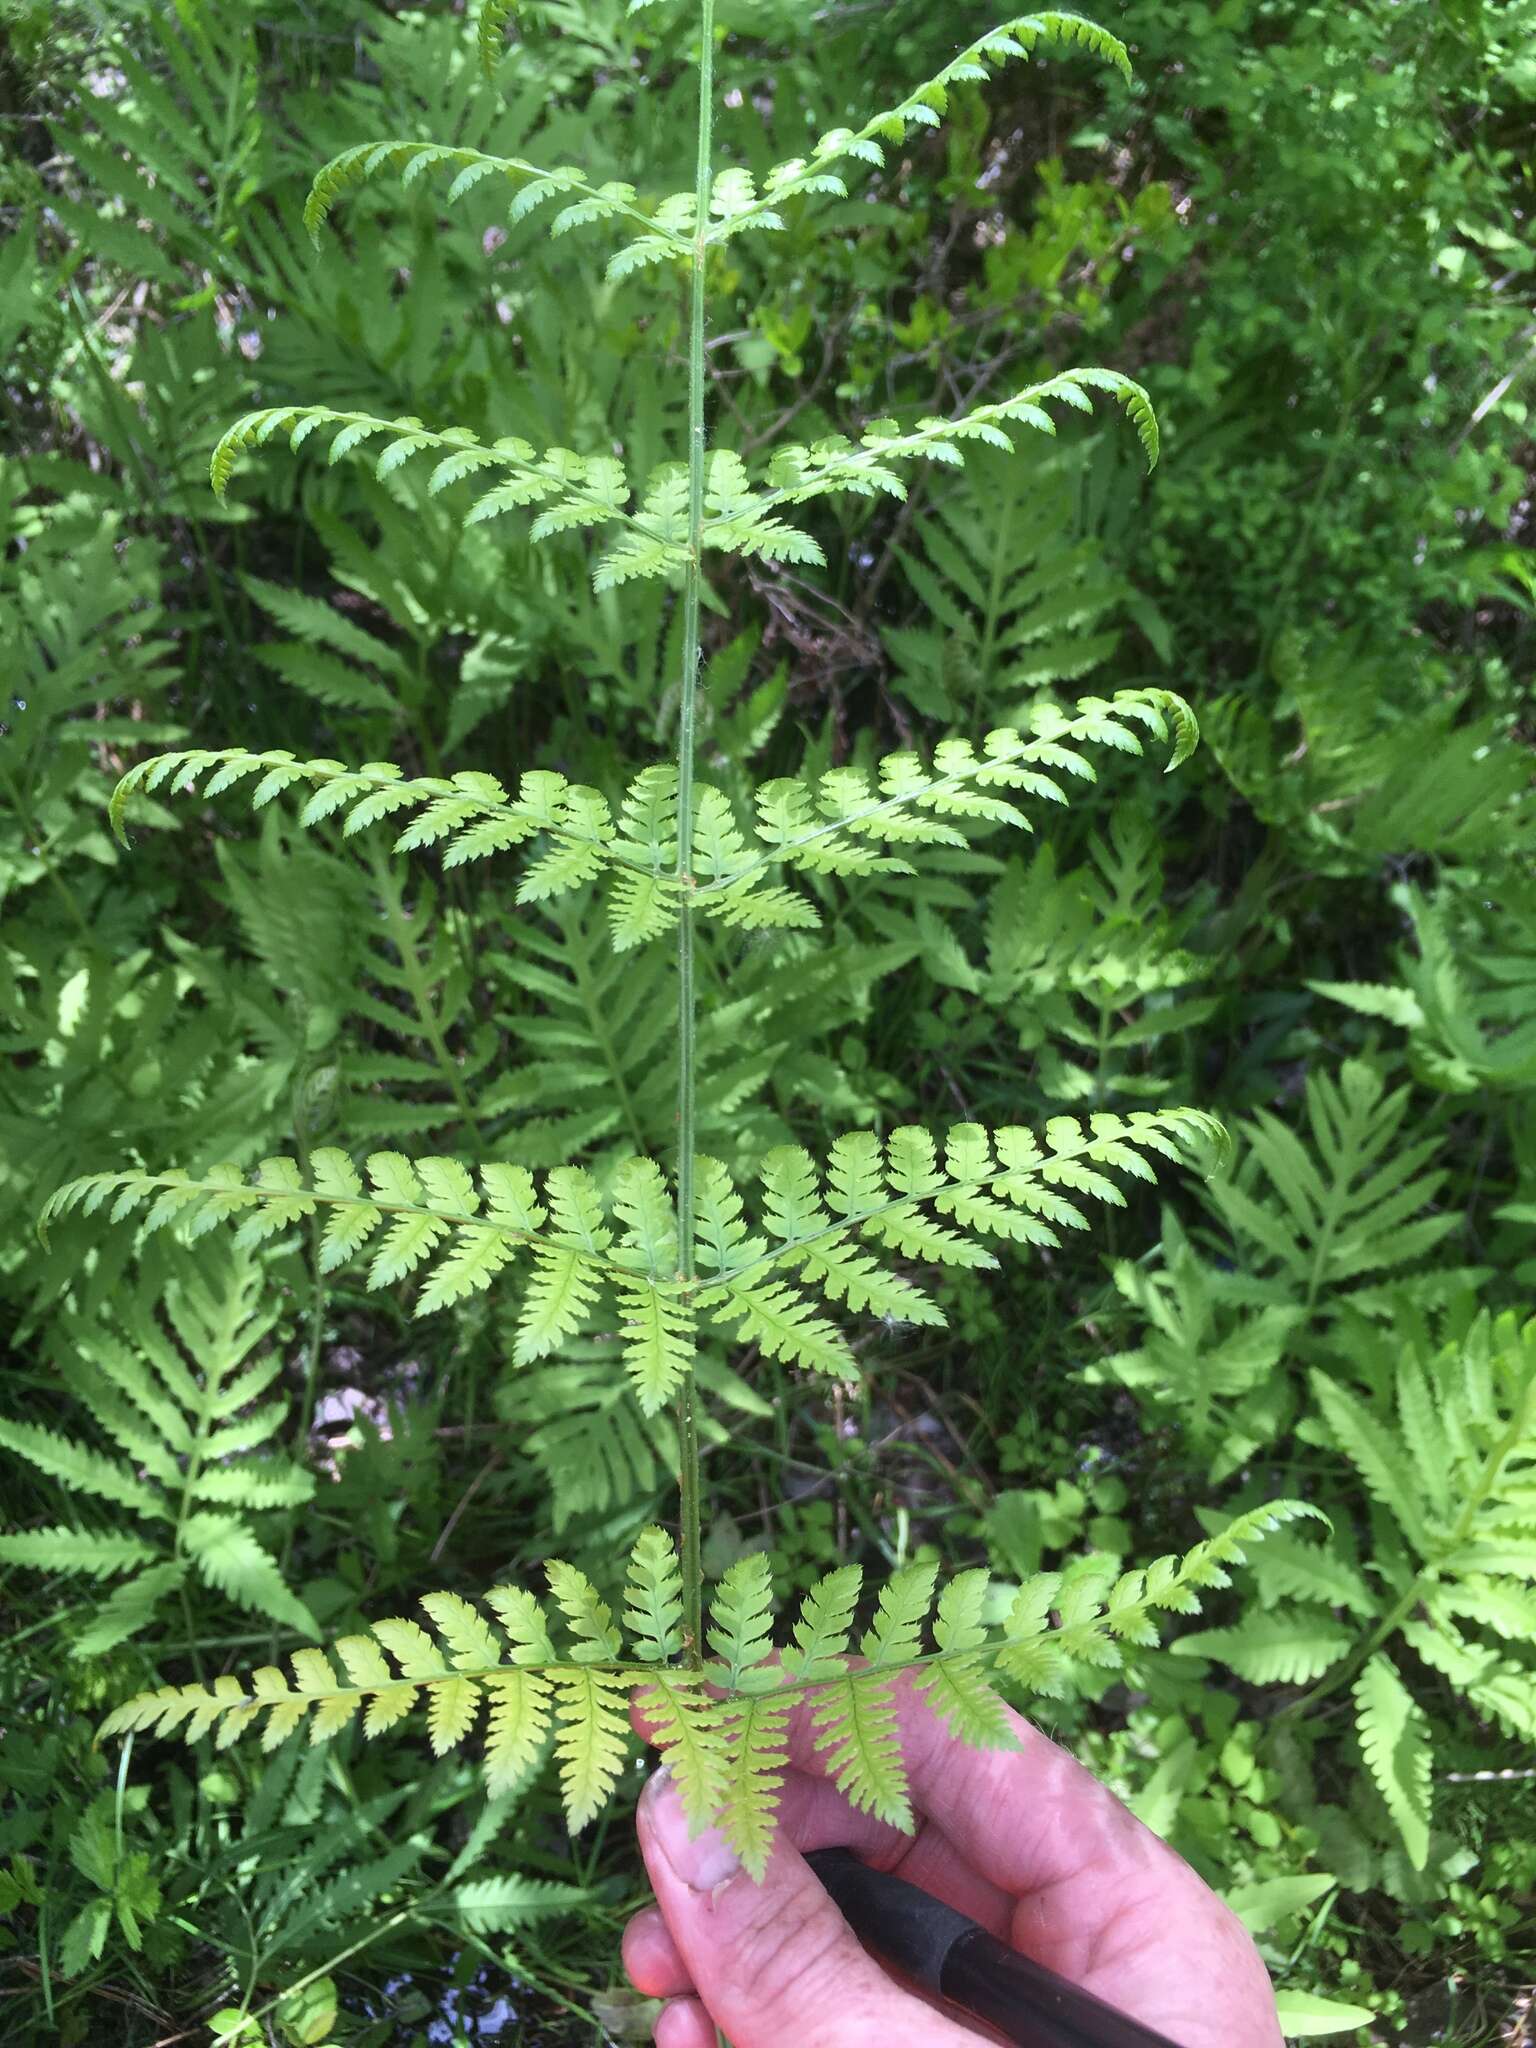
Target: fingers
1028	1842
1024	1818
1021	1820
814	1815
651	1958
684	2024
1031	1844
773	1962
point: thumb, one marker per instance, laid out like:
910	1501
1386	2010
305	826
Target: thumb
773	1962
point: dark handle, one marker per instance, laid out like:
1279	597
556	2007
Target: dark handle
945	1952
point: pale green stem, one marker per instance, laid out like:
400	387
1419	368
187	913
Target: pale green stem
687	1417
317	1290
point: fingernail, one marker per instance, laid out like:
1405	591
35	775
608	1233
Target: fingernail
703	1862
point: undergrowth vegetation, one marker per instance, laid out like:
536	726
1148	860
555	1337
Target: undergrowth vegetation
617	1055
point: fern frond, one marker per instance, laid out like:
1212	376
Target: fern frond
1007	1183
588	202
797	473
174	1380
1283	1647
687	1728
470	815
740	1628
726	1746
80	1469
819	1649
1362	1205
572	490
227	1555
592	1738
518	1725
921	108
1395	1742
490	31
659	1339
838	825
843	824
653	1608
431	1218
1377	1454
857	1729
586	1615
956	1686
757	1751
80	1553
130	1608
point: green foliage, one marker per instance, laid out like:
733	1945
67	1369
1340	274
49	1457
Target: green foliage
176	1391
1445	1457
436	1221
1292	229
1463	996
836	825
1012	600
1314	1220
740	514
563	1669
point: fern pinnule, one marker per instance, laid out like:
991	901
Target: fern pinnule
1395	1741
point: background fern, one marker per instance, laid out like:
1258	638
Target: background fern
177	1393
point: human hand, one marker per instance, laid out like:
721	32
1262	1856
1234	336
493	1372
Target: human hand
1025	1841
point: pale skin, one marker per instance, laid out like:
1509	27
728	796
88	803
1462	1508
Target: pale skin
1026	1841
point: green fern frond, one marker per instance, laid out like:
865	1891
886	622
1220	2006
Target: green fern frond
686	1727
846	823
922	108
572	490
1395	1742
1282	1647
174	1382
470	814
81	1553
227	1555
653	1605
726	1745
535	184
432	1218
741	1625
857	1729
490	31
824	1625
1445	1449
1363	1205
743	521
80	1469
955	1685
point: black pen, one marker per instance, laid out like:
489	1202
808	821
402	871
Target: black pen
944	1952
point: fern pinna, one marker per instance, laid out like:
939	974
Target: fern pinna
721	1722
663	1255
